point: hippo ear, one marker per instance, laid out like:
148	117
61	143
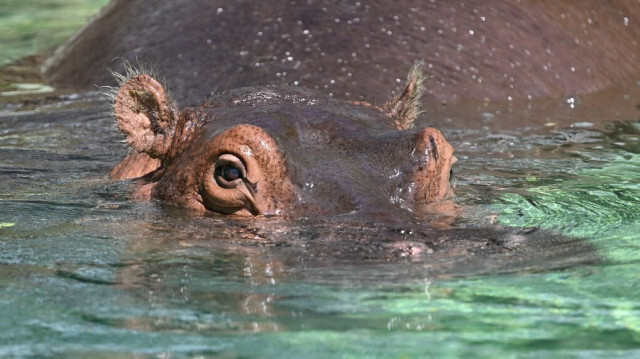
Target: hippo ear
146	115
405	108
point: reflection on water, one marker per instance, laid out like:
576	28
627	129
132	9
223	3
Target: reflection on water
84	271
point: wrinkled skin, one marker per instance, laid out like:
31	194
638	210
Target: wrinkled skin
282	151
354	50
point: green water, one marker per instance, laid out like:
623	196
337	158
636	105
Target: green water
30	26
600	204
85	272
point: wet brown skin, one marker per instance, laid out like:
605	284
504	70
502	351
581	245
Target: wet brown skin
358	50
281	151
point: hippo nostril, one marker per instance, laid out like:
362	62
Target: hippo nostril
453	161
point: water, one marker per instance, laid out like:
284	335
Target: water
86	272
27	27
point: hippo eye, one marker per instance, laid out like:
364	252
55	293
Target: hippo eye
451	174
229	171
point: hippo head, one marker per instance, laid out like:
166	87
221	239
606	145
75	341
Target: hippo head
282	151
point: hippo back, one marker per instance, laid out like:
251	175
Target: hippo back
361	50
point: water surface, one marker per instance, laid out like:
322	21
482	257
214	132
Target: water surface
86	272
30	26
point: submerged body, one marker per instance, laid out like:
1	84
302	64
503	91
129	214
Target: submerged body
298	153
283	151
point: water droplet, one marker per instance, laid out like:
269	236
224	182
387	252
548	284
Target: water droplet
584	124
572	101
488	116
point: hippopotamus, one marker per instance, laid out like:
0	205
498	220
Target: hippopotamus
361	50
282	150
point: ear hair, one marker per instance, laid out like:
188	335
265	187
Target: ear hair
405	108
132	70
